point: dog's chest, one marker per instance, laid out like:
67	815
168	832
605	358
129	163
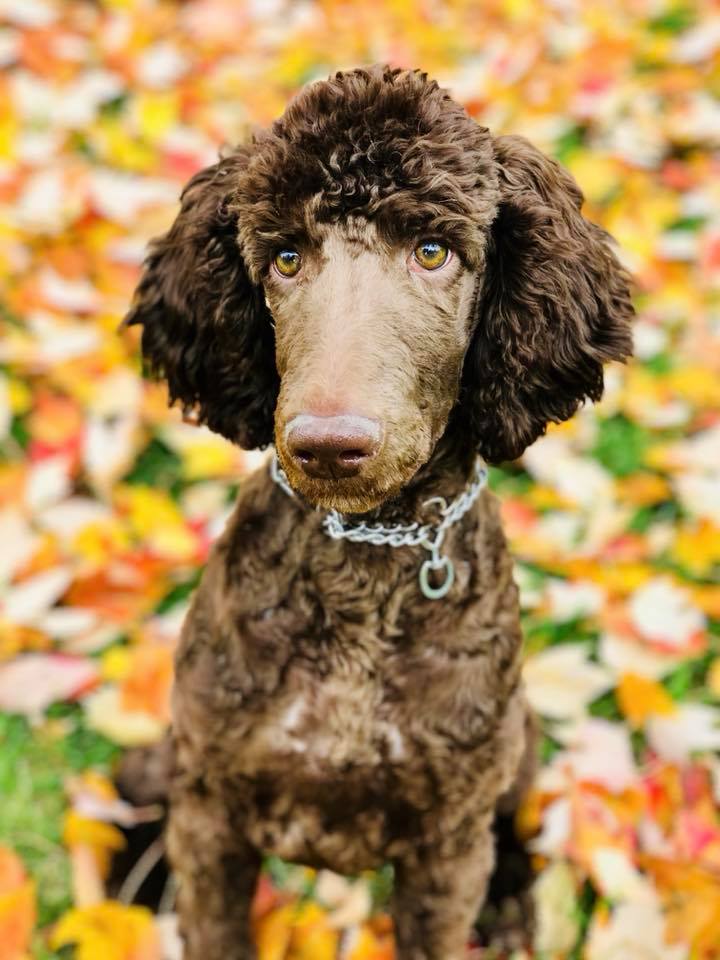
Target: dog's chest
331	718
331	751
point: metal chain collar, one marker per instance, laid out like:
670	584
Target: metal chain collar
427	535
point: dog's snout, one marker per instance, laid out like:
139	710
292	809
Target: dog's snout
332	447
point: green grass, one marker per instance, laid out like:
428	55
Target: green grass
621	444
33	767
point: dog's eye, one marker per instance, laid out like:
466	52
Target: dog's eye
431	255
287	263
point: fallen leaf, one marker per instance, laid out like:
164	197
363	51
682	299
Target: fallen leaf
32	598
146	685
634	930
17	907
556	910
693	727
664	614
598	751
640	698
105	713
561	681
31	682
108	931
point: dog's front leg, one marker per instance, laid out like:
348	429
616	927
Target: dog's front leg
217	872
438	893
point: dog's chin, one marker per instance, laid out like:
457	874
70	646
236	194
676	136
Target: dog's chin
350	495
341	495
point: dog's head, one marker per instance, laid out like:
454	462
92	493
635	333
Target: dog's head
375	267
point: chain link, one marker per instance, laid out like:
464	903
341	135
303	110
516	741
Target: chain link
430	536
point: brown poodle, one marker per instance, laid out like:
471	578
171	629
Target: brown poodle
384	290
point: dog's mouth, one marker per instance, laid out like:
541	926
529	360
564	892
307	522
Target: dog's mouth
359	493
346	495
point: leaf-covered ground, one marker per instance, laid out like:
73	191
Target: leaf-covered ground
108	501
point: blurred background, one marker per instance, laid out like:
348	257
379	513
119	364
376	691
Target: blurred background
108	501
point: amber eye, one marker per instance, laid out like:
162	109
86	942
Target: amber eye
287	262
431	255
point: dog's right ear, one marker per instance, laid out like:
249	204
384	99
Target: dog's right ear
554	307
206	327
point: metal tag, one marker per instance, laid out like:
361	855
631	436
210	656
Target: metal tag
432	566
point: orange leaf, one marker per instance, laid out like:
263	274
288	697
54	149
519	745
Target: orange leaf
640	698
643	489
273	932
17	907
372	945
147	685
691	897
313	938
707	598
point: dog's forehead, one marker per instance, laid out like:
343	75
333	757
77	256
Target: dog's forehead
354	233
401	154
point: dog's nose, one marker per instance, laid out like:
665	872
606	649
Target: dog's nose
332	447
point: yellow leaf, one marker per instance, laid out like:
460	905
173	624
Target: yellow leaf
273	932
617	578
156	113
97	543
9	129
98	784
101	838
108	931
713	678
95	833
643	489
19	396
116	663
208	459
707	598
699	385
313	938
697	548
124	150
597	175
545	498
640	698
156	518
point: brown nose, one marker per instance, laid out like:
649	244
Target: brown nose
329	448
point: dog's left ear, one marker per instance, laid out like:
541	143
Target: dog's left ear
206	328
554	306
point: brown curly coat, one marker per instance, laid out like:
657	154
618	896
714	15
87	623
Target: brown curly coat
324	709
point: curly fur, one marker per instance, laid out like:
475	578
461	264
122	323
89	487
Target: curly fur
206	328
324	709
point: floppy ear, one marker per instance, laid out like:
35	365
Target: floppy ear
206	327
554	306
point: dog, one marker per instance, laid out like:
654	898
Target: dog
386	291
